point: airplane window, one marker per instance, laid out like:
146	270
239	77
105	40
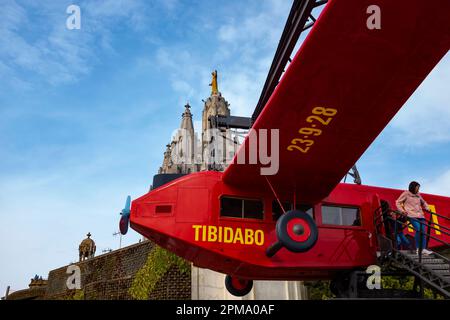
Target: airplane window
350	217
343	216
230	207
253	209
161	209
331	215
241	208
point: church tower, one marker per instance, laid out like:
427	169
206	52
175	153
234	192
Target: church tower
214	105
186	153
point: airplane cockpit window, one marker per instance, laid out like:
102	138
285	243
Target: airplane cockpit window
277	211
241	208
253	209
342	216
231	207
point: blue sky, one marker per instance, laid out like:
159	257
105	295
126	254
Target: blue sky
85	114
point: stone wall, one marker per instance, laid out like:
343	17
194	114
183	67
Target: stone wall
28	294
110	276
173	286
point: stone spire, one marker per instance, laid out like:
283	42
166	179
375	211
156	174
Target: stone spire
179	154
166	161
185	140
186	119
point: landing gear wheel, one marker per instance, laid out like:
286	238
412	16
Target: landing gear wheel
238	287
297	231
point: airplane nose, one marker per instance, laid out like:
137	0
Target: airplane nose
298	229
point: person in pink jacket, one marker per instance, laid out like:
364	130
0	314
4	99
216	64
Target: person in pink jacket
412	204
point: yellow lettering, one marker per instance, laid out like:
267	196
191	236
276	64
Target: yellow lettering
435	220
238	236
212	234
196	228
248	236
220	234
227	235
410	228
259	237
204	233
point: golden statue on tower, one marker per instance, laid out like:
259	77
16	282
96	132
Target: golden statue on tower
213	84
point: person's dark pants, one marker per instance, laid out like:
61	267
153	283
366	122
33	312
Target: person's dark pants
418	225
401	239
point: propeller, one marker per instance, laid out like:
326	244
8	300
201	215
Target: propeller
125	219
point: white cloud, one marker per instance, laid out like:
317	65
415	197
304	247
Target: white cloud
13	15
106	13
183	87
243	54
256	25
170	4
228	33
40	45
56	54
189	76
8	76
438	185
242	89
425	118
245	46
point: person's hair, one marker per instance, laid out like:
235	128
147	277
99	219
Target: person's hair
412	186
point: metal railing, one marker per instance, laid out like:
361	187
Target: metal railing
425	273
386	216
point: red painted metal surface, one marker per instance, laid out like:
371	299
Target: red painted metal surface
196	231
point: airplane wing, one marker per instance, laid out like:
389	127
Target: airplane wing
345	84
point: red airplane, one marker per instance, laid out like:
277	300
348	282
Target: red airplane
344	85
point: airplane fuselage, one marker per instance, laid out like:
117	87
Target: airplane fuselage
228	230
